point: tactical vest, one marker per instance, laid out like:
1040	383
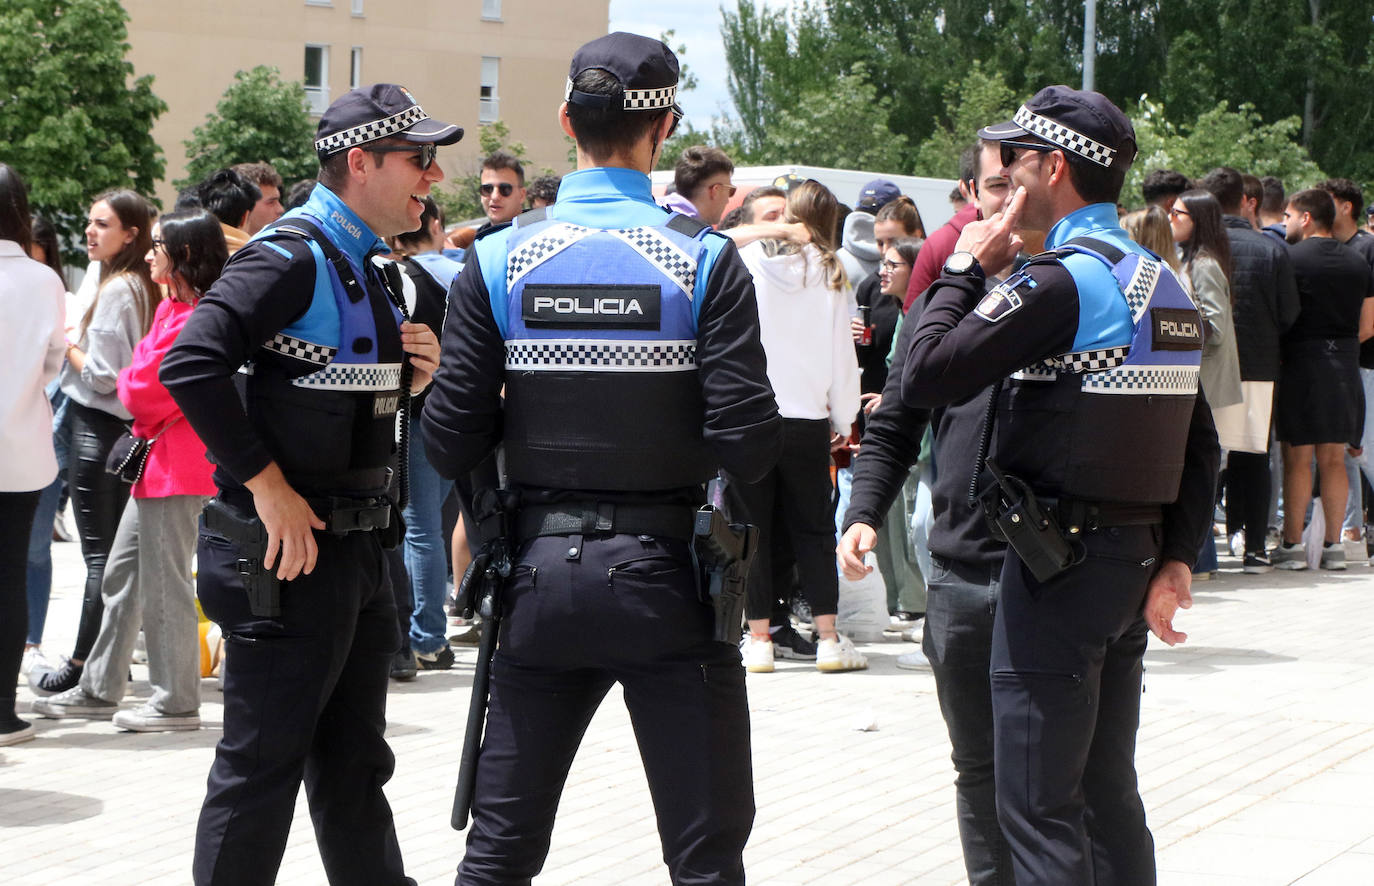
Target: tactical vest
600	328
323	392
1109	425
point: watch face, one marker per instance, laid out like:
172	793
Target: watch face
959	263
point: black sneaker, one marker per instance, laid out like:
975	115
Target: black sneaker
788	644
403	665
1257	564
439	660
50	682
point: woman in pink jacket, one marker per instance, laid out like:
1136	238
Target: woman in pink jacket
148	577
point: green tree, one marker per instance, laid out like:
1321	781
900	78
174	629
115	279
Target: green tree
977	100
1219	137
843	125
260	118
75	120
458	196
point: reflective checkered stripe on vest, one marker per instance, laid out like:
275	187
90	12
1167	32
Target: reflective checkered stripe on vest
324	391
602	390
1125	411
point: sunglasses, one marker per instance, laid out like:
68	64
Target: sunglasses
424	154
731	187
1008	149
506	188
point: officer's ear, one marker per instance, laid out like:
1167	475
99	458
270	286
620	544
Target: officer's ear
1059	172
565	122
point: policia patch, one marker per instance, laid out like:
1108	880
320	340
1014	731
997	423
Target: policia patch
1176	329
1004	298
599	306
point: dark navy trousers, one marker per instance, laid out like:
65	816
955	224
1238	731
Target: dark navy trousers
304	700
1066	683
580	616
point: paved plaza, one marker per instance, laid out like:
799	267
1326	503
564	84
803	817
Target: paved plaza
1256	761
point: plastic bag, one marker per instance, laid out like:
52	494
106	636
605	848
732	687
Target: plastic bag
1315	535
862	610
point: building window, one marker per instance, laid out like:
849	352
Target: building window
317	77
319	3
491	10
358	7
489	105
355	68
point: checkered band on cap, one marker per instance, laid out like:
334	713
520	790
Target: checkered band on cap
640	99
370	132
1066	138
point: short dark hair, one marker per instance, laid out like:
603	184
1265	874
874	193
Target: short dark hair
15	222
747	206
420	236
545	188
1273	201
732	219
1254	190
1163	183
260	173
1101	184
298	194
228	195
696	165
1226	185
1318	204
503	159
1347	190
907	247
605	132
968	162
194	243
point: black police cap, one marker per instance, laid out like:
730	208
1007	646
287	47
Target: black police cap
383	110
646	69
1083	123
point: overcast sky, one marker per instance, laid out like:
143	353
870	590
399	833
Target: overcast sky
698	27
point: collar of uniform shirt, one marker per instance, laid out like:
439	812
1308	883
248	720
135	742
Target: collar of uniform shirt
1094	217
353	237
606	197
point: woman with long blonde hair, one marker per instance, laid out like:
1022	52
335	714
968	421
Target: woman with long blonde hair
803	304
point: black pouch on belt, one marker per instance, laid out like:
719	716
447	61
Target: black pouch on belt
1030	529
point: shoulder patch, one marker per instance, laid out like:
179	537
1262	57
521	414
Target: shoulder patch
1005	298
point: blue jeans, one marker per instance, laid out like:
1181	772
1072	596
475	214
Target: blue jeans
424	549
38	579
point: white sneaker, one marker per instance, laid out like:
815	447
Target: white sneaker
33	658
1238	544
913	661
146	718
839	655
757	654
1333	556
1356	553
1292	557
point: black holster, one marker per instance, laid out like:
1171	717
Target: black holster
1031	529
250	536
724	552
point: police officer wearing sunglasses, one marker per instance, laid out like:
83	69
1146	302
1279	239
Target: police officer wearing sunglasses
626	339
1097	464
292	371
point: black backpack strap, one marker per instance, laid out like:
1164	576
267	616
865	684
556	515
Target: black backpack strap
308	230
686	225
1113	254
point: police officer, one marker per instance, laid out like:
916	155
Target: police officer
292	371
1108	460
626	338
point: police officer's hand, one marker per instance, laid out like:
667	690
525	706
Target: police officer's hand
1169	592
856	542
420	342
289	521
994	241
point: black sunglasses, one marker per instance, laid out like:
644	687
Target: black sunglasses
424	154
506	188
1008	149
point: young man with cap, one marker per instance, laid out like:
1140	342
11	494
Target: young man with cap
1101	470
292	370
627	342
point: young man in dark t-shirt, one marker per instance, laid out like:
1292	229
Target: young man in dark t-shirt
1320	405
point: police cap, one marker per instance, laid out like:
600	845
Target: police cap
1085	124
646	68
382	110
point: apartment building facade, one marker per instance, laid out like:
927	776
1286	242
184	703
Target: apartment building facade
467	61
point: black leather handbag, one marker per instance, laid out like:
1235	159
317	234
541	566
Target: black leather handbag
129	454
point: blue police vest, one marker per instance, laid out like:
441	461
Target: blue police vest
1109	424
324	391
602	391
